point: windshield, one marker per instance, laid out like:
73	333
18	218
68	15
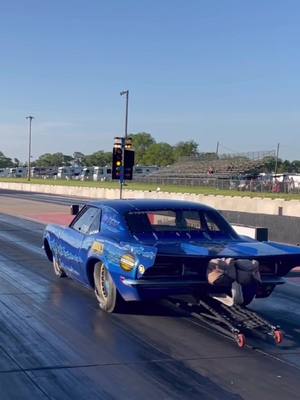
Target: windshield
189	223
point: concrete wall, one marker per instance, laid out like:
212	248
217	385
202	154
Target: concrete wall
281	228
248	205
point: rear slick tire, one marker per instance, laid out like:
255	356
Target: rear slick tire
105	290
248	294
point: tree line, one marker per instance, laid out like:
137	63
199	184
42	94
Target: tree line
147	152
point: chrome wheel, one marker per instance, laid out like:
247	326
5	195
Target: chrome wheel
105	289
104	283
59	272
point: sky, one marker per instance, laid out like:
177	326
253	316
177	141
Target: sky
203	70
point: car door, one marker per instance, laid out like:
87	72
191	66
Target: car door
72	239
89	238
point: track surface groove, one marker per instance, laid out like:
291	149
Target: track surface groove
56	343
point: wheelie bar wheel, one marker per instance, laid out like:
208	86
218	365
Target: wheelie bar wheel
278	336
240	340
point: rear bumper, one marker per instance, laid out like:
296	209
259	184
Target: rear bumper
152	289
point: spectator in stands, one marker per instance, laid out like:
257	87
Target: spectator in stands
286	183
276	186
210	171
291	185
232	184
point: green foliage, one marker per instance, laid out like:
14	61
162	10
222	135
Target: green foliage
99	158
269	164
5	162
295	166
160	154
52	160
282	166
185	149
148	152
285	166
78	158
141	143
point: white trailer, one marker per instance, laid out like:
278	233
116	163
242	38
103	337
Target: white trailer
43	172
17	172
4	172
102	173
87	174
69	172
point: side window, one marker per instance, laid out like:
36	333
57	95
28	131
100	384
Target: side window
161	220
211	225
95	225
190	220
88	222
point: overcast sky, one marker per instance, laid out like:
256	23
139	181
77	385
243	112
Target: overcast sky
208	70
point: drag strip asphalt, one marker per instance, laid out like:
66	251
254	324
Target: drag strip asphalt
55	342
41	197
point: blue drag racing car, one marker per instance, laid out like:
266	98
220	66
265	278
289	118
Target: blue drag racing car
132	250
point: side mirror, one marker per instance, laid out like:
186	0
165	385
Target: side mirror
74	209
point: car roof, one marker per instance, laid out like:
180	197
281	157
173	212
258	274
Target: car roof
127	205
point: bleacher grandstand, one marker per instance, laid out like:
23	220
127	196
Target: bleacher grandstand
212	165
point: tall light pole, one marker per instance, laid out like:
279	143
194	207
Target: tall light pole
30	118
217	149
122	177
277	156
126	92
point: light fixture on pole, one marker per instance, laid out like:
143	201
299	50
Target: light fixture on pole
30	118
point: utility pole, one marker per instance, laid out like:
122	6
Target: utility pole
122	178
126	92
30	118
277	156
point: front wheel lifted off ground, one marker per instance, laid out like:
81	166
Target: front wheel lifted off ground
105	290
59	272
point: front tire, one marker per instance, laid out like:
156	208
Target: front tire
105	290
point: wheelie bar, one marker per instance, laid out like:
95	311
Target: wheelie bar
234	321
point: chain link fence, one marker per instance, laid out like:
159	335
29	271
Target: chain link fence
244	185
